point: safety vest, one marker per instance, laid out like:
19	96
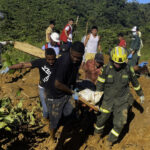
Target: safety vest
63	36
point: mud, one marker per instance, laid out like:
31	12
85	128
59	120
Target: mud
78	134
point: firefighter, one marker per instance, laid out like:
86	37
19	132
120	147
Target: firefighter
134	47
114	81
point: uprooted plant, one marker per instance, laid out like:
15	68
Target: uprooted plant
12	118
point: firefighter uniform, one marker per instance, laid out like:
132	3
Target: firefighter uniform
135	46
117	98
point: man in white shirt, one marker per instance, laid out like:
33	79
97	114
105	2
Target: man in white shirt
92	44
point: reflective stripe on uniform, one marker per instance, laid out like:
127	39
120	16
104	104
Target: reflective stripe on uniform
137	88
124	76
132	70
104	110
114	133
101	79
98	128
110	76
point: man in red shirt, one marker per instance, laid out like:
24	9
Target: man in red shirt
66	35
92	67
122	42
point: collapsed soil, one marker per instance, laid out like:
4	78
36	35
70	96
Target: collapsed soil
78	135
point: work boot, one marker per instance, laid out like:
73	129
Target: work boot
108	145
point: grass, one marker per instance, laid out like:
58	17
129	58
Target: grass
145	52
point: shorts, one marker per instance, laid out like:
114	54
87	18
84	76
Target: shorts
57	108
89	56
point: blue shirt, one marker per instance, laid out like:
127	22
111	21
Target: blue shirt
56	48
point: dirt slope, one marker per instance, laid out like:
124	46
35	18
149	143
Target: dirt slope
135	136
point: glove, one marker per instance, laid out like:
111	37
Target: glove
142	98
76	94
129	56
4	70
143	64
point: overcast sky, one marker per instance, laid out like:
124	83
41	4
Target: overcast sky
141	1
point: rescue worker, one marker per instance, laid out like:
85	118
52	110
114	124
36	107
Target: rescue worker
49	30
54	39
93	67
92	44
134	47
122	41
47	69
114	81
141	43
66	35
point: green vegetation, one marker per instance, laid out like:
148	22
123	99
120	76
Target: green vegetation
27	20
13	117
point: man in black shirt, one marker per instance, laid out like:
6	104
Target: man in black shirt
66	74
47	67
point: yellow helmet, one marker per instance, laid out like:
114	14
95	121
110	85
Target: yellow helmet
119	55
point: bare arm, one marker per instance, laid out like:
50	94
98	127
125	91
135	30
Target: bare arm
21	66
86	40
63	87
48	35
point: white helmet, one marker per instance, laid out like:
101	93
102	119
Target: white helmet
55	37
134	29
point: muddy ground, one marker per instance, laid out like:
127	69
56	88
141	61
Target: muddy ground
79	134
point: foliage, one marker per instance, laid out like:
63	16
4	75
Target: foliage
27	20
13	117
12	56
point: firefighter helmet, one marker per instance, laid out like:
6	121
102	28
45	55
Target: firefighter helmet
119	55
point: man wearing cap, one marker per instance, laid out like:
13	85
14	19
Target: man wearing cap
134	47
92	67
54	39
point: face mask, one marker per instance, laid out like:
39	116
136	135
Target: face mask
133	33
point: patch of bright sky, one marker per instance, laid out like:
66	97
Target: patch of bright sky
141	1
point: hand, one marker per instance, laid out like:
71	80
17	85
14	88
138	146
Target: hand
142	98
76	94
4	70
143	64
129	56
